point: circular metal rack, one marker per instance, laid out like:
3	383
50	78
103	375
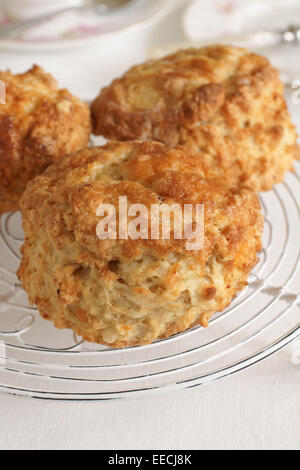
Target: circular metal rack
36	360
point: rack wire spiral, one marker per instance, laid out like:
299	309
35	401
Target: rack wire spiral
36	360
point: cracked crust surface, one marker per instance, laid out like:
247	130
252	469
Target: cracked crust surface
39	124
224	102
122	292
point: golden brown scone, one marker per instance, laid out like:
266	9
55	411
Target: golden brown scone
131	292
39	124
224	102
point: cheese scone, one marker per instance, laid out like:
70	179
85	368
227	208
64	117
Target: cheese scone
224	102
39	124
123	291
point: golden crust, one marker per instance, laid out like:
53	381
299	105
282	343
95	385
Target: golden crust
131	292
224	102
39	124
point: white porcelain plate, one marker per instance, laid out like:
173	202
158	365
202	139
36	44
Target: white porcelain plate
205	19
73	30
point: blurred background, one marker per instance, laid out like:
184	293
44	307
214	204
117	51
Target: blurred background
83	49
262	25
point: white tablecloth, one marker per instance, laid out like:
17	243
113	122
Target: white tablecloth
255	409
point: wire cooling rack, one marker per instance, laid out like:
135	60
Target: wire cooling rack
36	360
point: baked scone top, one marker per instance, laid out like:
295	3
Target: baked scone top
225	102
184	89
64	200
39	124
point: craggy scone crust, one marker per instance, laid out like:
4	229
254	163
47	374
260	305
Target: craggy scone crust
39	124
226	103
131	292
